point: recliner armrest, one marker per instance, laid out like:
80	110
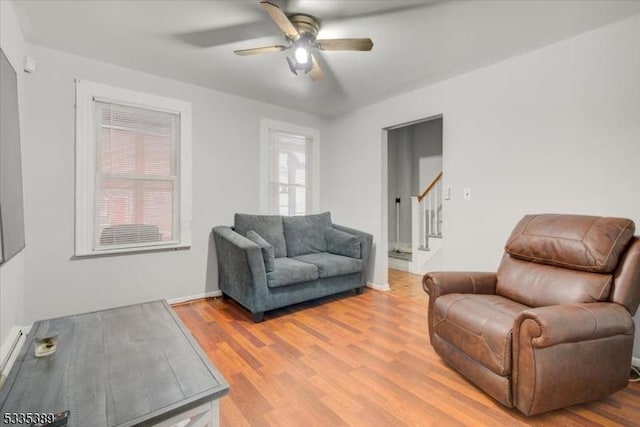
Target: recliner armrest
568	354
557	324
458	282
455	282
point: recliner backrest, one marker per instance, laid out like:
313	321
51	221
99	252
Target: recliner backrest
564	259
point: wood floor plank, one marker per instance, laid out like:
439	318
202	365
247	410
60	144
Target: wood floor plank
359	360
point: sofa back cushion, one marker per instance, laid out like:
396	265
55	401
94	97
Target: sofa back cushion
269	227
341	243
562	259
305	234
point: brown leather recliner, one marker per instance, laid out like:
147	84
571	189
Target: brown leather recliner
554	326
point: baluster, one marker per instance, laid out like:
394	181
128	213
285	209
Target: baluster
437	216
429	210
423	225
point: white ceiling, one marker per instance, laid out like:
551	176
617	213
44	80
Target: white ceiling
415	42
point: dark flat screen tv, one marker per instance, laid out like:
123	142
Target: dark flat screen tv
11	202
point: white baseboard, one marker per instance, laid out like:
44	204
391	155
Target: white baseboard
181	300
377	287
635	361
10	349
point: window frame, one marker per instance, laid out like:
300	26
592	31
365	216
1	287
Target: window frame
313	135
85	164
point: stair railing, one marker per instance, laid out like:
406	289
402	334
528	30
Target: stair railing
430	212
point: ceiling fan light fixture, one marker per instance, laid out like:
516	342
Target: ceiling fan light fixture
301	55
295	66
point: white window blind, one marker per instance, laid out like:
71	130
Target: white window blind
133	171
290	189
136	177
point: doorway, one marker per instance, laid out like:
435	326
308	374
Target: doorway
414	159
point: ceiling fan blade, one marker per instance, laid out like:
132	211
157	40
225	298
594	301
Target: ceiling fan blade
256	50
345	44
281	20
316	72
230	34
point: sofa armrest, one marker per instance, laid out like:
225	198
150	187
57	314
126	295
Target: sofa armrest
241	270
568	354
458	282
569	323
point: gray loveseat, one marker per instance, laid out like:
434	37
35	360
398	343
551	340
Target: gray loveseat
271	261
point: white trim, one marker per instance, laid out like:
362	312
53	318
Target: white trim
635	361
383	244
377	287
10	349
180	300
313	134
128	249
86	92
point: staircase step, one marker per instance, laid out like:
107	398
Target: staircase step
436	236
424	248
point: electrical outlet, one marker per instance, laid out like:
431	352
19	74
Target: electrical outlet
467	194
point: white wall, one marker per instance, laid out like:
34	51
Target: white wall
555	130
427	141
226	135
428	168
12	272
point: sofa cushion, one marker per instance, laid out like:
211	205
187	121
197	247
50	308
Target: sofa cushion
267	249
578	242
330	265
480	326
269	227
305	234
287	271
341	243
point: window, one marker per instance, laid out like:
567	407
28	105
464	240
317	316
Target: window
133	163
289	169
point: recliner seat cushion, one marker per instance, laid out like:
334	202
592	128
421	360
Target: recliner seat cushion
288	271
480	326
305	234
269	227
578	242
330	265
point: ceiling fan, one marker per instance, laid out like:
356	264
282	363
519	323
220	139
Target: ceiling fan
300	31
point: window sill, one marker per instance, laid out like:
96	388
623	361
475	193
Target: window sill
131	251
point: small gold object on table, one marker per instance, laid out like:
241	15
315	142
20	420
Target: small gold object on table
45	346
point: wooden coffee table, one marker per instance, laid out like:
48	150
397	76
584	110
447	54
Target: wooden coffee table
127	366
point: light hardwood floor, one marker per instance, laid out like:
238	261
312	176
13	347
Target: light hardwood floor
357	361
